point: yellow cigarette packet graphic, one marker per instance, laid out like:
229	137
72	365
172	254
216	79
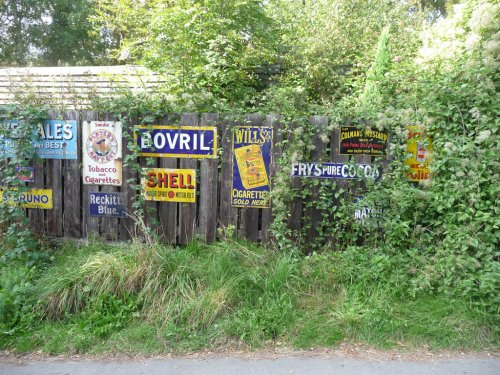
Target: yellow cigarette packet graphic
251	166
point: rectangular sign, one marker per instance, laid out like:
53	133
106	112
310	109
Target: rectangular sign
25	174
354	141
102	153
169	185
251	166
33	198
418	147
107	204
336	170
52	139
177	141
364	212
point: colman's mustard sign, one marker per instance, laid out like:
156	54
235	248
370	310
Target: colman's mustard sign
169	185
33	198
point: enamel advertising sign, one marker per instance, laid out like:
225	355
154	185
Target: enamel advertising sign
33	198
52	139
169	185
102	153
419	147
177	141
25	174
251	162
107	204
354	141
336	170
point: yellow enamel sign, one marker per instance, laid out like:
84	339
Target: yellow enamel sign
251	166
33	198
420	148
169	185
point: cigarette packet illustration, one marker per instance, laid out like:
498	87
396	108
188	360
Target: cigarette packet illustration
251	166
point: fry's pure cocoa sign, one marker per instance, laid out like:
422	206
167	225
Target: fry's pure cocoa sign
336	170
102	153
169	185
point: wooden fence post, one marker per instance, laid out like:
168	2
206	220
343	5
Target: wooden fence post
272	121
54	181
187	211
72	197
90	223
317	154
167	211
228	215
208	189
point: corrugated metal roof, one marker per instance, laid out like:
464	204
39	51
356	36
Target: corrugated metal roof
72	87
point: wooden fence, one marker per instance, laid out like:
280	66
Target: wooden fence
176	223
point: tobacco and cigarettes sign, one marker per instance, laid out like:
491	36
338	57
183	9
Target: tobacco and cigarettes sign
33	198
177	141
102	153
52	139
169	185
419	147
354	141
336	170
251	162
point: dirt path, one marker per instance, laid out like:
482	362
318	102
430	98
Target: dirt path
342	361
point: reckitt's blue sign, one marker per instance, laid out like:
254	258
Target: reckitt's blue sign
107	205
52	139
177	141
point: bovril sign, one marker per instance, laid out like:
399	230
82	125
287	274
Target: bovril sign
177	141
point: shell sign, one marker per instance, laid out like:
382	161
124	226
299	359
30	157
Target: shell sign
169	185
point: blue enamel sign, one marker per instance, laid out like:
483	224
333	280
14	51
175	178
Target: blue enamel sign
251	166
336	170
107	204
52	139
177	141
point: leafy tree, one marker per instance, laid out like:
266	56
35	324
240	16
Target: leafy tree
51	32
22	27
211	45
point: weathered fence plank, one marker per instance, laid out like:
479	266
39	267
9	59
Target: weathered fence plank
187	211
90	223
295	218
228	215
54	182
37	216
129	183
272	121
167	211
249	215
208	189
311	213
72	197
109	225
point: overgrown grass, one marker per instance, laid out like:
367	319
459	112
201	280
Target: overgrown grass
135	298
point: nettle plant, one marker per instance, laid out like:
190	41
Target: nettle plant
18	126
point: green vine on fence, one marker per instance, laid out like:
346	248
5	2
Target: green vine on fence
17	124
